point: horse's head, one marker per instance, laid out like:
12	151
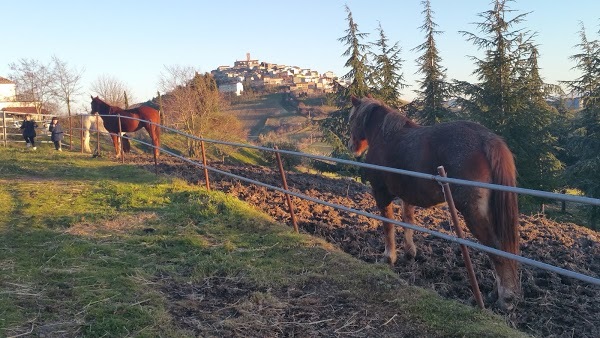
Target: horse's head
94	104
357	119
98	106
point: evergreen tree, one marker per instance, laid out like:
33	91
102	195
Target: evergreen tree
434	88
386	75
584	140
125	99
532	129
510	97
357	52
337	122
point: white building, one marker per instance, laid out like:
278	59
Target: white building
234	87
8	90
9	103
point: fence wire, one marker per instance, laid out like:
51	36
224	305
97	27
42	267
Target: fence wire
454	239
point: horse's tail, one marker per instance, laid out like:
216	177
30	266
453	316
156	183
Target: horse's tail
503	204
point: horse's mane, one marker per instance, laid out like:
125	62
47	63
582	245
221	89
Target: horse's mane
393	120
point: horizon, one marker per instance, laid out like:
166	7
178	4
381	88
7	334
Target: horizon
134	43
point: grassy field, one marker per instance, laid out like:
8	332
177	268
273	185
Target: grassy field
93	248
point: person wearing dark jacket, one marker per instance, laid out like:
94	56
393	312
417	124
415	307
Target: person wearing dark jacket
57	133
28	126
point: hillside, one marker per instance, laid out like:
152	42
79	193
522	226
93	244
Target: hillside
552	306
94	248
268	117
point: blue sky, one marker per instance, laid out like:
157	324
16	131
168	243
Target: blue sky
134	40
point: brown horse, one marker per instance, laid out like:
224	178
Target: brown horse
467	151
140	117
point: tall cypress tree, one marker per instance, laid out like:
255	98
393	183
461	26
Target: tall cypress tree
531	128
584	140
434	88
357	61
510	97
125	99
386	75
336	125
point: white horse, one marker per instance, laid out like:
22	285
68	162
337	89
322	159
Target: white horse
91	123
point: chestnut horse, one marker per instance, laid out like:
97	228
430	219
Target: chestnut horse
467	151
140	117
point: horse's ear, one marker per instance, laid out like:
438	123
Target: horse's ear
91	97
355	101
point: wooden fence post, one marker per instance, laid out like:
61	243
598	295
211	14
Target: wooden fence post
4	127
459	233
120	138
97	136
204	164
285	187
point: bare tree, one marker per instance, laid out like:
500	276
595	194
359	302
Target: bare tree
192	102
67	82
111	90
34	82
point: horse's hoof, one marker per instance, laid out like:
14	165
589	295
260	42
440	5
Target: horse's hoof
389	260
508	303
410	253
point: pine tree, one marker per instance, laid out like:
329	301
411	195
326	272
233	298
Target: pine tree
510	97
434	88
386	75
584	141
357	52
532	126
337	123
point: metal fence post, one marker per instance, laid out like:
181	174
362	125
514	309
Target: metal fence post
459	233
285	186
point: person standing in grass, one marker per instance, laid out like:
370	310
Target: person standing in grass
28	126
57	133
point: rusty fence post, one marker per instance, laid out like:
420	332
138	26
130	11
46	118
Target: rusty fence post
460	234
97	136
120	138
285	187
204	165
70	133
4	127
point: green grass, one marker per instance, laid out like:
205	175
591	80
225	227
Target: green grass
87	244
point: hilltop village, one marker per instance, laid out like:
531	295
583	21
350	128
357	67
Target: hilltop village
265	76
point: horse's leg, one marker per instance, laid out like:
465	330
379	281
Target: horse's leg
384	203
408	216
154	132
87	124
117	144
478	218
86	141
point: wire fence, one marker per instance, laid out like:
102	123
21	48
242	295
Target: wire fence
534	263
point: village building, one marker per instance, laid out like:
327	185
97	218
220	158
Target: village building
262	75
